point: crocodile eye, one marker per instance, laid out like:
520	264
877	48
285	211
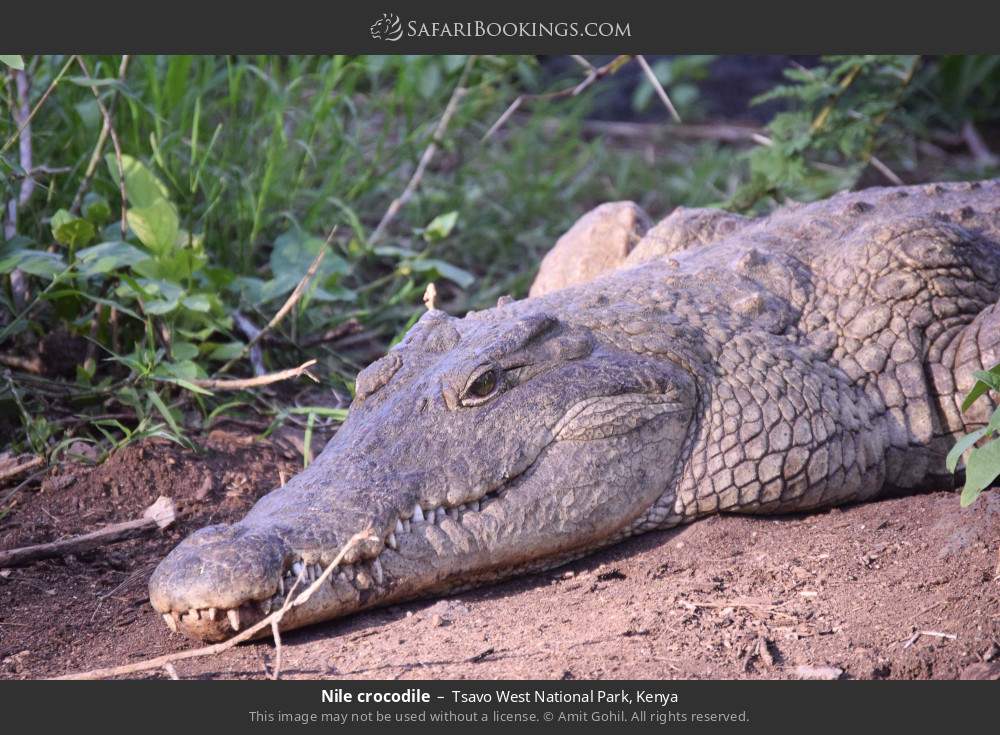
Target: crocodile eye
482	386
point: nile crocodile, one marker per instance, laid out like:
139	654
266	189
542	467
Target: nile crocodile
709	364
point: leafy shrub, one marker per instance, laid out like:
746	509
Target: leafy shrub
983	464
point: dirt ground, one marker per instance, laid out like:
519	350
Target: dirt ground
902	588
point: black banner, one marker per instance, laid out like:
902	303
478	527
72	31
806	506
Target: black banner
516	26
456	706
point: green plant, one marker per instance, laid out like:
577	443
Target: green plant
982	466
836	115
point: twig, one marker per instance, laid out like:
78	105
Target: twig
276	617
20	469
660	91
292	300
159	515
593	74
245	383
885	170
18	488
933	633
724	132
102	138
276	635
38	105
114	142
428	154
977	146
27	364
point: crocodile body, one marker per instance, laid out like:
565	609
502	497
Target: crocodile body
710	363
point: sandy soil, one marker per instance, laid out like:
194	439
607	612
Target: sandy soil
840	593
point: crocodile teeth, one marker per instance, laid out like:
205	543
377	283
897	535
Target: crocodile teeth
234	618
265	606
399	526
453	513
377	571
281	586
191	616
406	525
418	514
430	517
169	620
213	613
317	571
474	505
440	513
391	541
297	569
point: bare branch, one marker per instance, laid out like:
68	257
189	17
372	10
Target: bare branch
114	141
260	380
428	155
102	138
660	91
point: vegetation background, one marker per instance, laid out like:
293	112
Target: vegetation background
163	217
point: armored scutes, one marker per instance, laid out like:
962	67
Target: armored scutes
711	363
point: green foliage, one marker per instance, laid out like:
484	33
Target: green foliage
235	171
836	115
982	466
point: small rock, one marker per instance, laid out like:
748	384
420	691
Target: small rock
437	621
823	673
83	449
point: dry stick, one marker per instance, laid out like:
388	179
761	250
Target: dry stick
593	74
427	156
24	483
274	618
38	105
114	142
260	380
28	364
102	138
19	469
21	113
162	516
292	300
660	91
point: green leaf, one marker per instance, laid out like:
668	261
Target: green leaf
35	262
142	187
165	412
294	252
161	306
445	270
183	351
109	256
71	231
156	225
951	461
197	302
226	351
981	469
440	227
14	61
96	209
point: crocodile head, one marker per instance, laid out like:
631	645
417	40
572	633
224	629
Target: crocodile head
479	447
